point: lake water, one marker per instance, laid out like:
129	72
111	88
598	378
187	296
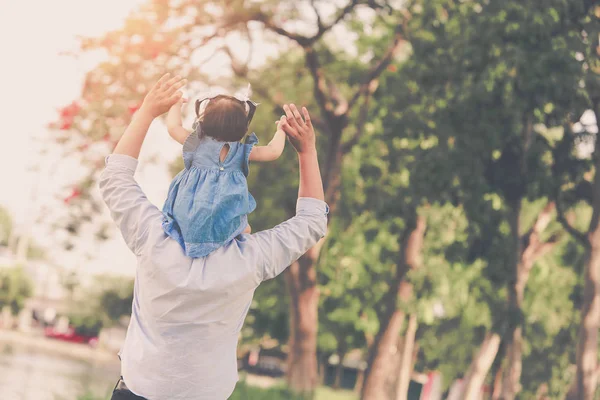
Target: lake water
27	374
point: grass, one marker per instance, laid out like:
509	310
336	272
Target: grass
243	391
325	393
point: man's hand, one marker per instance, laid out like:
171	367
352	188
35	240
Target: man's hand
299	130
163	95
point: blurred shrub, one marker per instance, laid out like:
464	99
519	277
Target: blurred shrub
15	288
86	324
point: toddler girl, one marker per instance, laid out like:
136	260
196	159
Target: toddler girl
208	202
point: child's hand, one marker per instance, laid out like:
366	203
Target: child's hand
163	95
180	102
299	131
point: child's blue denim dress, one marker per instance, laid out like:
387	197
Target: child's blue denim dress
208	202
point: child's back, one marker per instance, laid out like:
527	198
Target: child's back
209	201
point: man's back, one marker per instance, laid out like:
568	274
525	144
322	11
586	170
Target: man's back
187	313
186	318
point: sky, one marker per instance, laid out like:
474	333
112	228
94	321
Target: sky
37	80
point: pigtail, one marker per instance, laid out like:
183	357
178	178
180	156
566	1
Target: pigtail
197	107
197	125
251	110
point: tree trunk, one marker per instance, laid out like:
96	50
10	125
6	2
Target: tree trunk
480	366
339	370
586	378
301	281
527	250
514	337
384	346
322	370
587	346
406	359
332	179
497	384
360	377
302	370
383	351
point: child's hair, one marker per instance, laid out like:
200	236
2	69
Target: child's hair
225	118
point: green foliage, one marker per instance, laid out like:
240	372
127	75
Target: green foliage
116	299
86	324
6	226
102	305
15	288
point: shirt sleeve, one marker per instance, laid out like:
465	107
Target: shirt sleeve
130	209
275	249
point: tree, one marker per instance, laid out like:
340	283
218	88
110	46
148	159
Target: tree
6	227
575	184
101	305
15	288
117	301
166	34
488	66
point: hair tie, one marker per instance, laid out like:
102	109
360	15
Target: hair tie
243	96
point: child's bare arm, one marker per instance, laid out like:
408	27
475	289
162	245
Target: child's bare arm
272	151
174	123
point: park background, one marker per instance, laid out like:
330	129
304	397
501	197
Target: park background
457	148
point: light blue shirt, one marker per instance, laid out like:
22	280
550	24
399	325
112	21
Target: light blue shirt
187	312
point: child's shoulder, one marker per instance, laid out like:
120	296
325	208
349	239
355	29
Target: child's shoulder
250	139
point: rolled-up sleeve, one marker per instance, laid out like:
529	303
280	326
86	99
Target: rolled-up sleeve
130	209
275	249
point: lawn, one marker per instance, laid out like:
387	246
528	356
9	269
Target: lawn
325	393
245	392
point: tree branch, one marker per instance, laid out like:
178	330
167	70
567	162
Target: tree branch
379	67
543	219
318	15
322	29
241	71
272	26
360	125
306	41
560	215
320	85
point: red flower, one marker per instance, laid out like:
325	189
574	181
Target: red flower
392	68
74	194
71	110
66	124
